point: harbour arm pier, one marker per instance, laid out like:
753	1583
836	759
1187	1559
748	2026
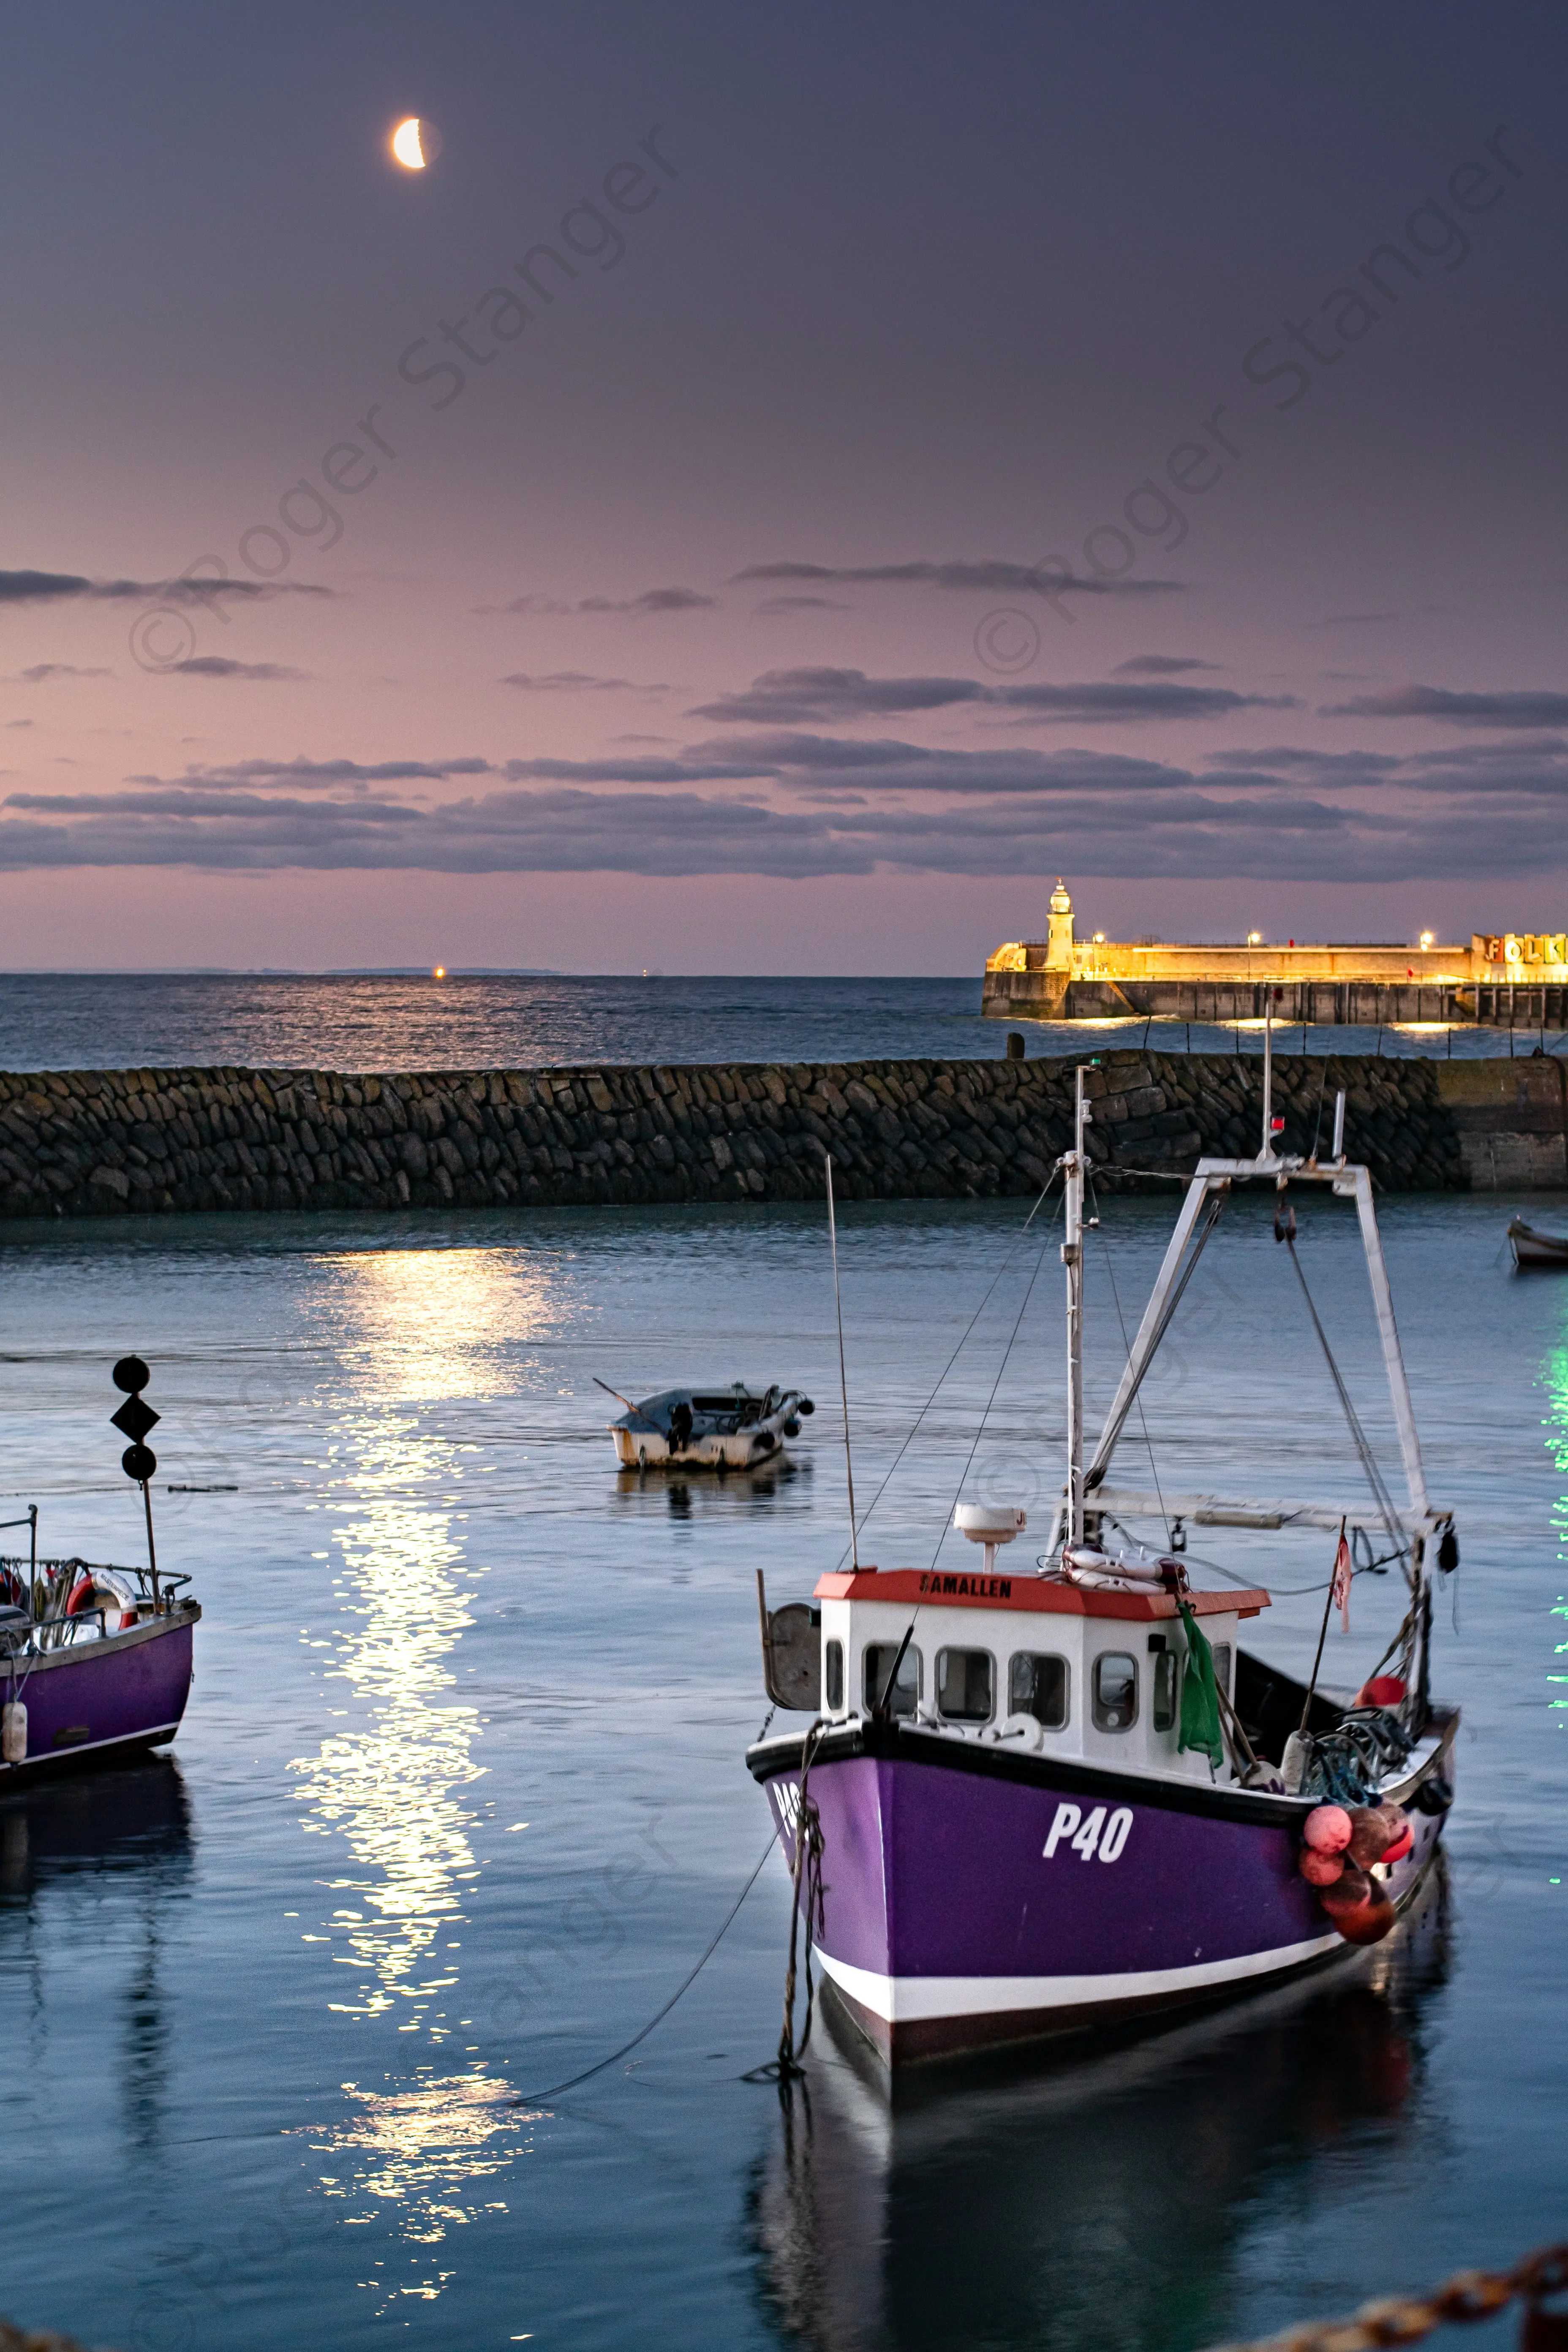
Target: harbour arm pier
168	1141
1503	979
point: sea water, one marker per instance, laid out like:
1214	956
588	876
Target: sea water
65	1021
459	1800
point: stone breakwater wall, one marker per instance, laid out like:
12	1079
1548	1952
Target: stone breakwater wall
90	1142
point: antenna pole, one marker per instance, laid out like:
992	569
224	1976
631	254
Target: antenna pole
843	1376
151	1555
1072	1258
1268	1150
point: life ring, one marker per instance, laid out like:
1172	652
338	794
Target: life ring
81	1597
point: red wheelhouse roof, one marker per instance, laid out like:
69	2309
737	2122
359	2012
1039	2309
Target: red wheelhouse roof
959	1588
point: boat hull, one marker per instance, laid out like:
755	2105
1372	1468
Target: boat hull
648	1450
1531	1248
958	1912
98	1697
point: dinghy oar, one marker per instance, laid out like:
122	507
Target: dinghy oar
598	1383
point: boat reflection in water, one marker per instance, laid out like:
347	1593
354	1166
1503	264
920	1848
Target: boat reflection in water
129	1821
1102	2202
93	1869
669	1495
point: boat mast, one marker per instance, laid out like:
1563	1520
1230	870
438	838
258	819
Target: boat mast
1072	1165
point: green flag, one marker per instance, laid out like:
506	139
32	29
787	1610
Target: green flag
1200	1700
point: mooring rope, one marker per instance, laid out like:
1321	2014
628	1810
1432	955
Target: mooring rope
806	1906
532	2098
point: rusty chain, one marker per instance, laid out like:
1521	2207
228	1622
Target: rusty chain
43	2339
1390	2319
1409	2319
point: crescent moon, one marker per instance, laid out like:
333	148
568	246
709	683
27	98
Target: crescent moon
407	145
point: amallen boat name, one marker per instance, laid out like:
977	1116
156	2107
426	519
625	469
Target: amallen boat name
971	1587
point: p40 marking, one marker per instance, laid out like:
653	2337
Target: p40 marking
1095	1835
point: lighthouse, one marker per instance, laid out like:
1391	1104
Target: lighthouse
1058	948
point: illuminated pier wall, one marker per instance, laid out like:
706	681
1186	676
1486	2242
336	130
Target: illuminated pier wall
1503	979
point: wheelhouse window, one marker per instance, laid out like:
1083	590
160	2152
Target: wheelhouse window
1115	1700
964	1685
1162	1668
1038	1685
1222	1666
833	1676
906	1692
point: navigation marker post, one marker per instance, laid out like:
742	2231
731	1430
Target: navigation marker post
134	1418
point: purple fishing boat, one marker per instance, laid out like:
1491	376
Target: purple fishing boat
1035	1803
92	1662
95	1661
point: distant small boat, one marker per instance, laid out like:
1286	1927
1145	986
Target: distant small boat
706	1429
1531	1248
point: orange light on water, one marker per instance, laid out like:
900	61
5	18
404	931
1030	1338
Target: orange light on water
440	972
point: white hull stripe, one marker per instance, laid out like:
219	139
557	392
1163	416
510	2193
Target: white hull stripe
86	1746
903	2000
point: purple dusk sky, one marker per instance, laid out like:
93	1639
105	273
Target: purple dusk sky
783	486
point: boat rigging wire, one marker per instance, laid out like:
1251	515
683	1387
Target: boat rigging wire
1105	1252
990	1401
1218	1568
532	2098
885	1702
1098	1467
843	1376
962	1343
1380	1494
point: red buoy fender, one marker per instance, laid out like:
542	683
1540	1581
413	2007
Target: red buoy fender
1372	1834
1349	1892
1368	1922
1382	1690
1319	1869
1328	1828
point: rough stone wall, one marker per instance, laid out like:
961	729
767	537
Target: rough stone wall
91	1142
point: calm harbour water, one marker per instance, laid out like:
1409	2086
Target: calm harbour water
64	1021
459	1800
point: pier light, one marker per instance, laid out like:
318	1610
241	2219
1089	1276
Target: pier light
1099	939
440	972
1255	939
1427	938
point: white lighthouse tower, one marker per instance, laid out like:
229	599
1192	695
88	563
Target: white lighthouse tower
1058	949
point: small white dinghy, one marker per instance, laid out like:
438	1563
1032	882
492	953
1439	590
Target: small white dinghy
706	1429
1531	1248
